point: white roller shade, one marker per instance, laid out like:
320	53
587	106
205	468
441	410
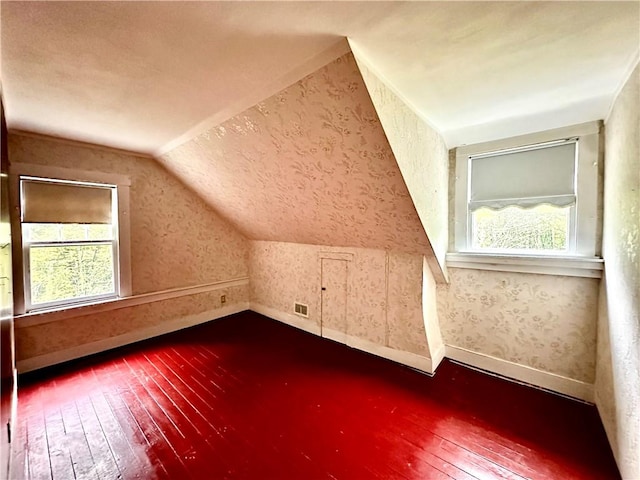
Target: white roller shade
525	177
50	202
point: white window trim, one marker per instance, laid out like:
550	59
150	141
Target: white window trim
543	265
587	221
122	184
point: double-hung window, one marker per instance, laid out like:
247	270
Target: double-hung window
535	195
69	242
522	200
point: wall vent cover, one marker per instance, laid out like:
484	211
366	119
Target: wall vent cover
301	309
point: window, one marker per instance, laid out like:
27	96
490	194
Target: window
69	241
534	195
523	199
70	231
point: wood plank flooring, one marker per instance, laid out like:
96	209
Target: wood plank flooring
249	398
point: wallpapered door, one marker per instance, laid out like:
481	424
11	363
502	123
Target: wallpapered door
334	294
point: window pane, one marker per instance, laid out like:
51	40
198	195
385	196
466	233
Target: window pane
70	272
73	231
41	232
544	227
99	231
54	232
76	231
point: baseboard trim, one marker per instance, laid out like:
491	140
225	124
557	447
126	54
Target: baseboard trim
335	335
546	380
288	318
54	358
409	359
437	357
413	360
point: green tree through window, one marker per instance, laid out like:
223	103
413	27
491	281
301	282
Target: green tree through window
68	272
69	261
544	228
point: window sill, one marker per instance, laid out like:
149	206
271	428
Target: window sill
545	265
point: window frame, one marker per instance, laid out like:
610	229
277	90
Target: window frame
28	244
121	235
584	242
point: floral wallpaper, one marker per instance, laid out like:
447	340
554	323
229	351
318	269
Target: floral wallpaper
176	239
309	165
423	159
541	321
283	273
617	376
384	289
367	303
63	334
405	323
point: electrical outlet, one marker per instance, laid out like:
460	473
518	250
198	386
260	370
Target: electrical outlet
223	298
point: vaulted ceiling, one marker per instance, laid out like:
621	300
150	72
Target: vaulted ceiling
147	76
309	165
260	108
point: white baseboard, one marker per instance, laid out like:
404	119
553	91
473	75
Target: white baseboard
546	380
41	361
289	318
335	335
406	358
437	357
549	381
413	360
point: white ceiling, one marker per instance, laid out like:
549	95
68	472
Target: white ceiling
146	76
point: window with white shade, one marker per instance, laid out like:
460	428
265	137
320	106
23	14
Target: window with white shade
534	195
69	242
522	199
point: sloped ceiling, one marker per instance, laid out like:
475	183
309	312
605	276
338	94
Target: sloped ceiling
310	165
186	82
145	76
422	158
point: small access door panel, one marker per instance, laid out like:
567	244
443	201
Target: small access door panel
334	297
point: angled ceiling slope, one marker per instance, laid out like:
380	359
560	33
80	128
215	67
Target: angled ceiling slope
141	76
145	76
308	165
422	157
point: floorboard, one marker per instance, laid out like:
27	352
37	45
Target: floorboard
246	397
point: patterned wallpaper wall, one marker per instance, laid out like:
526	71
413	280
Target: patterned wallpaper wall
283	273
423	159
618	372
384	290
310	165
73	332
404	304
545	322
541	321
176	239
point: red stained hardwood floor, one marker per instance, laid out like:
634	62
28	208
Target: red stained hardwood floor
249	398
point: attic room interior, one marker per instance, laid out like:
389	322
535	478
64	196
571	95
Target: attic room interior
339	240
